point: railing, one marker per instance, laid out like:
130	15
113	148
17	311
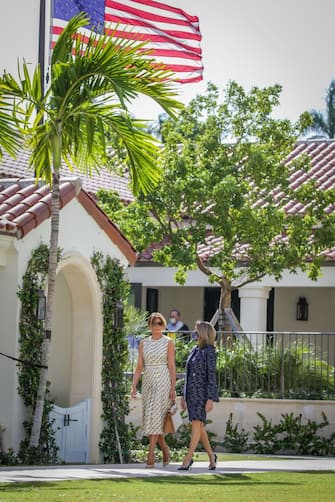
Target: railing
290	365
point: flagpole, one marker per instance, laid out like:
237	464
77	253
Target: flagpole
41	43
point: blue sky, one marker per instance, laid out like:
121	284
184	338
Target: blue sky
262	42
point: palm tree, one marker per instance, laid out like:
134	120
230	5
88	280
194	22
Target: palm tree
9	136
323	123
91	86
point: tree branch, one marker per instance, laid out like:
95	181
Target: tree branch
202	266
247	281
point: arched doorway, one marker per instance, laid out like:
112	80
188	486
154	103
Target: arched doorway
76	347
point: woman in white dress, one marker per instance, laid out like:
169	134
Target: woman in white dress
156	358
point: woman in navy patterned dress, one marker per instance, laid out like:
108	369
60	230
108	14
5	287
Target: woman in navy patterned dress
200	391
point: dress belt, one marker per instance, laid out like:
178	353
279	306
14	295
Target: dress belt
162	364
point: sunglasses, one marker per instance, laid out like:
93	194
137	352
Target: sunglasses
157	323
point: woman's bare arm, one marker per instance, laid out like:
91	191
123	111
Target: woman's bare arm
138	371
172	369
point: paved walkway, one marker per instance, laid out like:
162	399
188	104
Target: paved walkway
107	471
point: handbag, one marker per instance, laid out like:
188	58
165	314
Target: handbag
172	420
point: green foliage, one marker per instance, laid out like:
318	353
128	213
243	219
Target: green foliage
265	437
220	158
291	372
46	451
115	388
8	458
9	136
135	323
30	340
322	124
182	349
292	436
235	440
31	330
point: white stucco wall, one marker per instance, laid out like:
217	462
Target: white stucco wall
154	277
60	361
321	302
189	301
79	237
9	314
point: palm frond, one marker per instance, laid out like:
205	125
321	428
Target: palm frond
10	139
62	51
319	125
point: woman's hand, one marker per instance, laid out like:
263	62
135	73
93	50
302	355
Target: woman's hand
133	391
172	394
183	404
209	405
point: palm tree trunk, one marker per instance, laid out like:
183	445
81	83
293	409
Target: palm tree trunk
53	251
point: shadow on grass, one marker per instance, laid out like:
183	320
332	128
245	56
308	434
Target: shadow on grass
187	480
214	480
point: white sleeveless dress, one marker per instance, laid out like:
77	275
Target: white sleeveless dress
156	384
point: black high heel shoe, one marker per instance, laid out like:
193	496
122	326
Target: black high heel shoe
213	467
185	467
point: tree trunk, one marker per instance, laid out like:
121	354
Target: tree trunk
225	302
53	251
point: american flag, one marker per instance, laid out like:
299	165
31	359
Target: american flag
173	36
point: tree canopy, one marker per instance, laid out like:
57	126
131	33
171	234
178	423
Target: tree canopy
221	203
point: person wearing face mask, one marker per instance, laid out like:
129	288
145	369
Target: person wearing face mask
175	323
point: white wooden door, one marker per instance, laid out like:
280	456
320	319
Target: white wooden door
72	426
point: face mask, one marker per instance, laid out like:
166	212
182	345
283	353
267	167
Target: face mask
173	320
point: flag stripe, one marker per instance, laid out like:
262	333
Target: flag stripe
134	21
112	6
173	36
169	8
149	37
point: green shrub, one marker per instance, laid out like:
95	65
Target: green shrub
235	440
273	371
292	436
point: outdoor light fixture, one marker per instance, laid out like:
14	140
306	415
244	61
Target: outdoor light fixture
302	309
118	315
41	305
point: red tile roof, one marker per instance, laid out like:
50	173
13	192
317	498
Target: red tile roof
321	153
322	156
24	205
19	168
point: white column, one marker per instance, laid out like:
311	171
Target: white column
253	310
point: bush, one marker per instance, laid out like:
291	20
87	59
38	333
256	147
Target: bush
292	436
235	440
294	372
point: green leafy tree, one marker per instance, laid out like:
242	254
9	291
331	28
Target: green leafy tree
323	123
225	187
86	102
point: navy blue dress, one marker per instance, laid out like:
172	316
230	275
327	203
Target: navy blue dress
200	382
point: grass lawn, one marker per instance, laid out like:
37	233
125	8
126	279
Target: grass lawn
274	486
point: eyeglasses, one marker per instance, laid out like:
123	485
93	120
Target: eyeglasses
158	323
